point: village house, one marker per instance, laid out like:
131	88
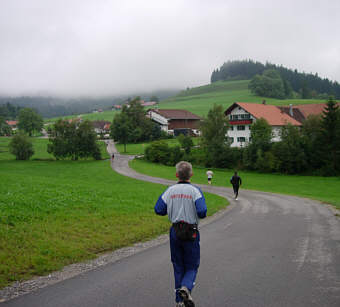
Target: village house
242	115
175	122
13	124
101	126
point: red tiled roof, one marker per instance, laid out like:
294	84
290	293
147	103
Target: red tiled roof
11	122
272	114
176	114
312	109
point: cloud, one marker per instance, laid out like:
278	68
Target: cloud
110	47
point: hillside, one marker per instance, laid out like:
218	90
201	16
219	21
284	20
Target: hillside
200	99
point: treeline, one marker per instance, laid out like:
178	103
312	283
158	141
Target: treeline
312	149
307	85
49	107
9	111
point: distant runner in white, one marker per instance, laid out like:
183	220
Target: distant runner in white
210	175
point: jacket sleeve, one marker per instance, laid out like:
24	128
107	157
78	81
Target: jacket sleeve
201	206
161	207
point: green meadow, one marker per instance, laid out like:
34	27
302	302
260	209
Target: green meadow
325	189
105	115
200	100
138	149
53	213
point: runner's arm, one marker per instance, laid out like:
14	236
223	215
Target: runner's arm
161	207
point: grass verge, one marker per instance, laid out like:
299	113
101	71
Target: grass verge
53	213
325	189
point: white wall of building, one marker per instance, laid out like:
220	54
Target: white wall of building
159	119
236	134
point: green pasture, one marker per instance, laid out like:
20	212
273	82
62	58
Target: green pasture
105	115
138	149
40	149
325	189
53	213
200	100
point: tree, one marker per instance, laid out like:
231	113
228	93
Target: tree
72	140
261	135
21	146
289	152
270	84
186	143
330	136
132	126
121	128
214	138
5	129
30	121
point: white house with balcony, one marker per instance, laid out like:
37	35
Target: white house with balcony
242	115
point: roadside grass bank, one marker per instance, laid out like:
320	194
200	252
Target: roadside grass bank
325	189
54	213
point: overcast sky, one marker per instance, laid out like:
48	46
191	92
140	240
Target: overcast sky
108	47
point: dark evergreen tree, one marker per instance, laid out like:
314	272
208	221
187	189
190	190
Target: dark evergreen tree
330	138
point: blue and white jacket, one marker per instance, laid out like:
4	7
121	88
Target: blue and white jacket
182	202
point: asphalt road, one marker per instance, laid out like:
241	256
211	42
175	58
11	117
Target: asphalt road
266	250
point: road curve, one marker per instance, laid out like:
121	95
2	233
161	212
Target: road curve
266	250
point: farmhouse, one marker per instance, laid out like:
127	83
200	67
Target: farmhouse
101	126
13	124
242	115
175	121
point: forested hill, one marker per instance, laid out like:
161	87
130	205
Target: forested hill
307	85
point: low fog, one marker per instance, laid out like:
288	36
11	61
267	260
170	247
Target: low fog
99	48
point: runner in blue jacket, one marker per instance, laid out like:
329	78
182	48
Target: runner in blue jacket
184	204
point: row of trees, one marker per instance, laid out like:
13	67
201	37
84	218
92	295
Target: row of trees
314	148
306	85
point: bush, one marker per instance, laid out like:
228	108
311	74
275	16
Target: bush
160	152
21	147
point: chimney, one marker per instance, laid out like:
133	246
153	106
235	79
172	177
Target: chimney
291	110
263	101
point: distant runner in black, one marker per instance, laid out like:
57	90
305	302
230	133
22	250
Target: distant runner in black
236	182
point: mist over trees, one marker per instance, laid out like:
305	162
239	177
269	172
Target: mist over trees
305	85
49	106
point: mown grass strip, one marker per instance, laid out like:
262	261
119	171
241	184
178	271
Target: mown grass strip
325	189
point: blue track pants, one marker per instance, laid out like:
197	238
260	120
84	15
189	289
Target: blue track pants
185	257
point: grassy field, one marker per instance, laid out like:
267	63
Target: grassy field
325	189
105	115
200	99
138	149
40	149
53	213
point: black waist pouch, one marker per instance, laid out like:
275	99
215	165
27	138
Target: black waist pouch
185	231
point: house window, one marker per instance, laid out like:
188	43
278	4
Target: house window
241	139
241	127
231	128
245	116
231	140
